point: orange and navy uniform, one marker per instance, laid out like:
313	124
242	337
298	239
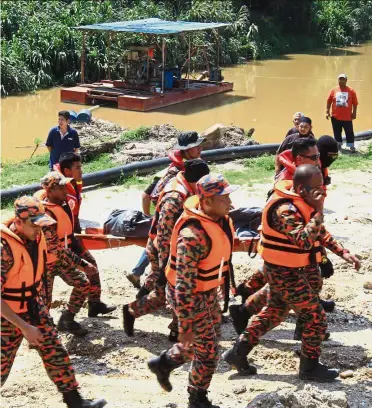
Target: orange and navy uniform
28	257
200	251
292	287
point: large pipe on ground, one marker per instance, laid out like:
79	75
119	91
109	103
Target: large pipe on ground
146	167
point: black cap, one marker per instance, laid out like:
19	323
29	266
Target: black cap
188	140
305	119
195	169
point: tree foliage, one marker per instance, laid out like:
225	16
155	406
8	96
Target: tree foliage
40	48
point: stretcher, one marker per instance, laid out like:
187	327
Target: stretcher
94	239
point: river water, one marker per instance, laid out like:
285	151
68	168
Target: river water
265	96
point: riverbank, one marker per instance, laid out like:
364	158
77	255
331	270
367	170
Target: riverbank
107	145
112	365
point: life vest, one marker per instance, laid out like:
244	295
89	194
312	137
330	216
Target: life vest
214	269
65	226
23	282
178	184
74	189
274	247
286	160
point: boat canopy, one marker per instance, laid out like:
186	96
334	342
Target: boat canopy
152	26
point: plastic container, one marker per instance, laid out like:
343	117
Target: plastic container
84	116
73	116
168	79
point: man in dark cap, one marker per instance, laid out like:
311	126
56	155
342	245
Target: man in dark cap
169	208
187	148
23	311
201	249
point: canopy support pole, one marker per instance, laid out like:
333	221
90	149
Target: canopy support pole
218	56
189	64
108	54
82	59
163	72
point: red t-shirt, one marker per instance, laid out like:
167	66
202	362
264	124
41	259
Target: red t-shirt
342	100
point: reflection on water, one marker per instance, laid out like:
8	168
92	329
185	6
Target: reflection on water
265	96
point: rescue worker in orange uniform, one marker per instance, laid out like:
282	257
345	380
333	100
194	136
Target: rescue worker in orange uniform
70	165
62	259
199	263
291	239
170	206
23	312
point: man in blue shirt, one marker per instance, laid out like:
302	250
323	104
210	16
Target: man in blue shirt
62	139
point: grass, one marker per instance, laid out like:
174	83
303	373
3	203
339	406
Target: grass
259	169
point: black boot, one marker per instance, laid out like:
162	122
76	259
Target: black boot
312	370
67	324
240	317
96	308
237	357
173	336
298	333
162	366
74	400
244	292
328	305
199	399
128	321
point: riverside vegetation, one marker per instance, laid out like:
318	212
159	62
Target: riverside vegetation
40	48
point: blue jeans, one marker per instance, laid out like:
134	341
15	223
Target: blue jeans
143	262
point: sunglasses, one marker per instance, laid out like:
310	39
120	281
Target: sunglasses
313	157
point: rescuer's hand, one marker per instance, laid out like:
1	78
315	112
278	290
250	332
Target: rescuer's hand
352	259
33	335
187	339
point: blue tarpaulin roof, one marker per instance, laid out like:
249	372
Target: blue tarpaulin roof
153	26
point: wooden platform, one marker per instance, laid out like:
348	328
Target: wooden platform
140	100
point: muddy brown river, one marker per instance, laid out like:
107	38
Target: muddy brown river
265	96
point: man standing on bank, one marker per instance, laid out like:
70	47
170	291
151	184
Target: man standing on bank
62	139
344	104
23	312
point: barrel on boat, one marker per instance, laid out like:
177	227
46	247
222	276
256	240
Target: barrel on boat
85	115
73	116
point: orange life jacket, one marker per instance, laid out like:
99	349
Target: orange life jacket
274	247
23	282
74	189
213	269
178	184
65	224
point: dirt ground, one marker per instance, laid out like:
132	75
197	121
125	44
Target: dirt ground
112	365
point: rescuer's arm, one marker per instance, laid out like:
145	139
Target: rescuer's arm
289	221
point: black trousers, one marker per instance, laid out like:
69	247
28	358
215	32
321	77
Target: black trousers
347	125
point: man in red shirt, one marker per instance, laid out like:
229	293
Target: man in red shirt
344	104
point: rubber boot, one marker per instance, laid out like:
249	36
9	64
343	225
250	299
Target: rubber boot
67	324
244	292
96	308
74	400
236	356
134	280
240	317
128	321
328	305
162	366
199	399
297	335
312	370
173	336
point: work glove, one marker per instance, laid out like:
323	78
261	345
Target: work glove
326	268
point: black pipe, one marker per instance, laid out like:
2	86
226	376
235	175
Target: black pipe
145	167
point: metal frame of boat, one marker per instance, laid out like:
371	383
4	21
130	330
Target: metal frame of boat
144	100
